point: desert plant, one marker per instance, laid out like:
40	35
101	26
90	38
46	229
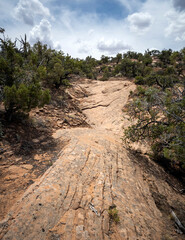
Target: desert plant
113	214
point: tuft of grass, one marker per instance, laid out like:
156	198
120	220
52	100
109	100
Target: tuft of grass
113	214
65	82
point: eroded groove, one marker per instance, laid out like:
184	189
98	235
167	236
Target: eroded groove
102	207
117	171
87	158
68	187
100	105
73	196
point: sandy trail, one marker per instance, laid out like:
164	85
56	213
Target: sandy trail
93	168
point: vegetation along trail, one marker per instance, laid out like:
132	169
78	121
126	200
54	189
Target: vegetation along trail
96	189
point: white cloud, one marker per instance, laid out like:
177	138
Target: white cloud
66	17
140	22
83	46
109	29
176	27
42	33
70	25
112	47
84	49
90	32
28	10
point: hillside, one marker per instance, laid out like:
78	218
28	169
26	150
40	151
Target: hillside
91	149
92	173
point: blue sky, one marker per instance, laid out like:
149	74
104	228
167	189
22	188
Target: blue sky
97	27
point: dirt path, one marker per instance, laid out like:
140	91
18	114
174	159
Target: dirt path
92	173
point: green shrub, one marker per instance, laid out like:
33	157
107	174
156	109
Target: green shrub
24	98
113	214
139	80
160	119
65	82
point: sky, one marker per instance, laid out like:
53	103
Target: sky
97	27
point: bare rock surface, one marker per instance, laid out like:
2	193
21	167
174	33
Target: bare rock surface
93	172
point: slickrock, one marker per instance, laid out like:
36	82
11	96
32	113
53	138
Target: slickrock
92	173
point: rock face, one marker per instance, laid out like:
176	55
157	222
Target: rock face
92	173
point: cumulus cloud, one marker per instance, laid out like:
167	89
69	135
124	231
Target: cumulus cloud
176	27
84	49
73	21
140	22
28	10
42	33
83	46
179	5
112	47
